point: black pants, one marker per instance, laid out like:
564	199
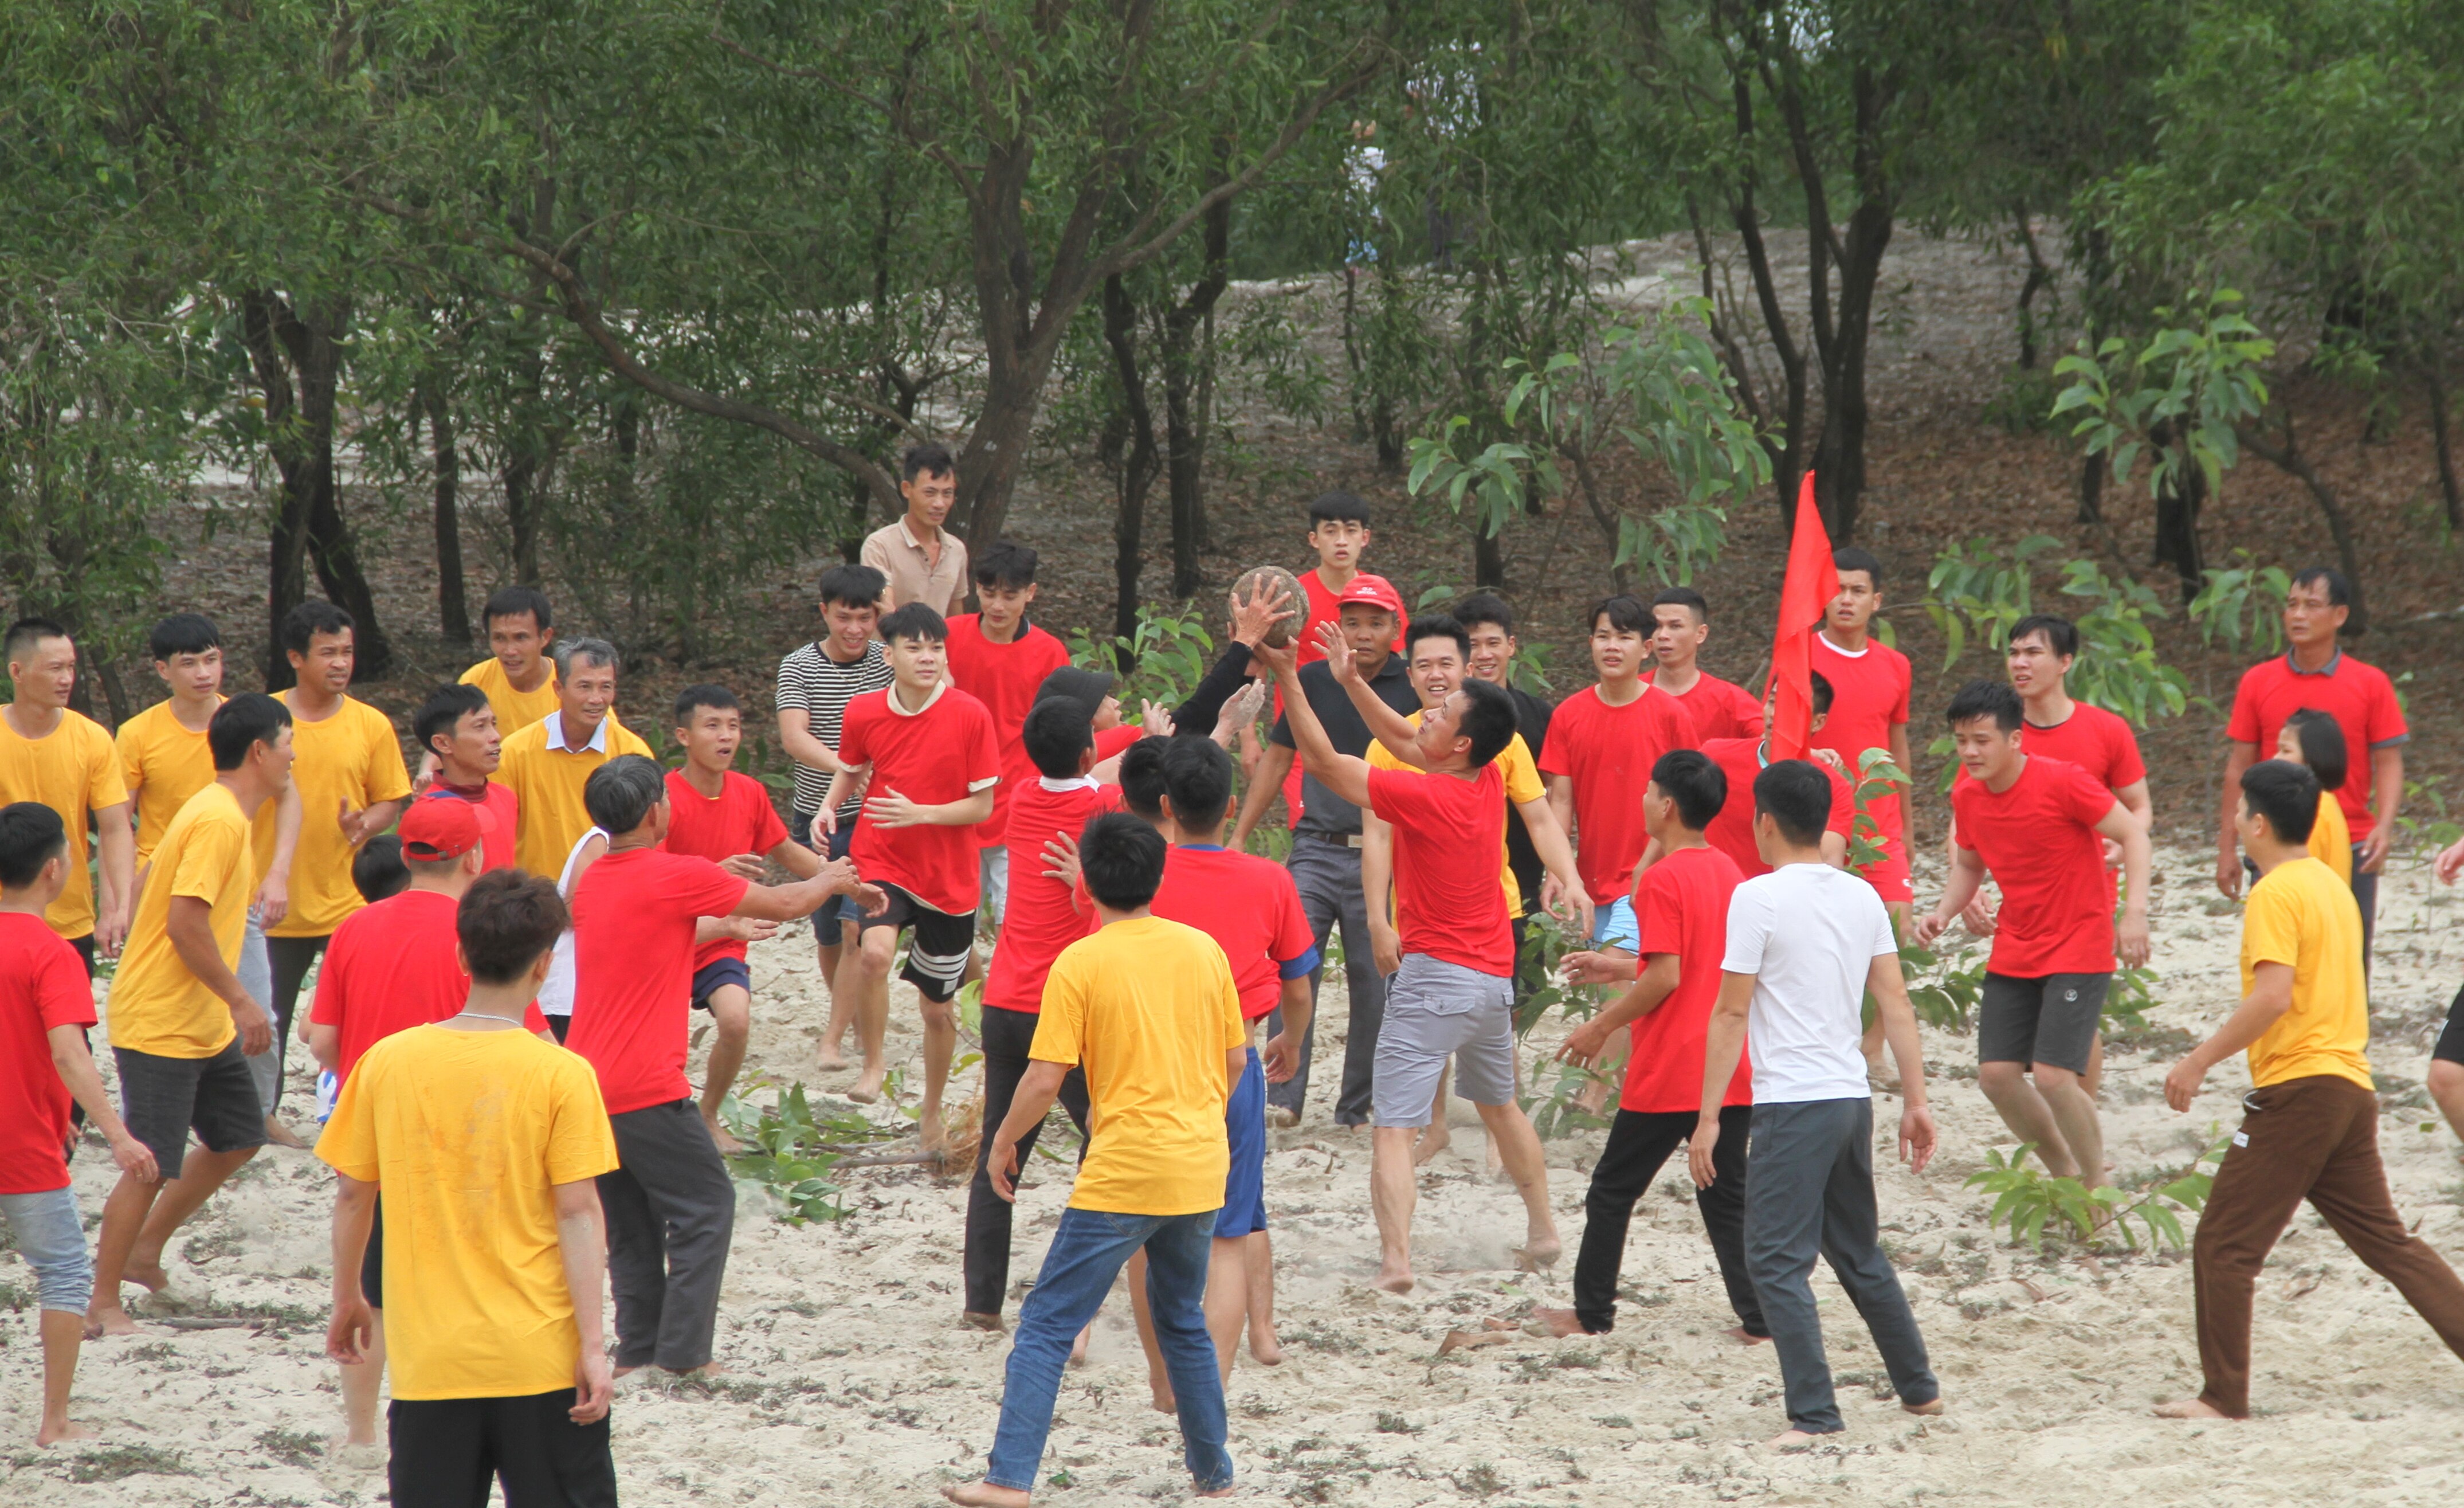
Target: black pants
1639	1145
446	1449
670	1211
1008	1036
2365	894
291	958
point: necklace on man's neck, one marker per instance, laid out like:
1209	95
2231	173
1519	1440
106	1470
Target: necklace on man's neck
485	1015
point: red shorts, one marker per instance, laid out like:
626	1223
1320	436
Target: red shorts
1889	876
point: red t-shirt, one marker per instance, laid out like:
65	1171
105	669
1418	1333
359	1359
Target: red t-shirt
1732	831
1004	677
1682	907
392	966
500	803
1869	697
2038	841
2360	698
942	754
1252	910
1718	709
42	985
1608	753
739	820
1448	832
1043	917
633	916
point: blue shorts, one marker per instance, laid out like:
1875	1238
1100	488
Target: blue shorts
717	972
1245	1126
1613	925
838	909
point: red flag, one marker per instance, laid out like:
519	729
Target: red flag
1804	597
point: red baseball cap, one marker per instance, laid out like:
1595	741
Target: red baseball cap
1375	591
442	828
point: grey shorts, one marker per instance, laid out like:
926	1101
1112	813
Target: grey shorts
2049	1020
838	910
163	1099
1436	1010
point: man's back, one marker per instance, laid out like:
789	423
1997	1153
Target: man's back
1809	933
390	967
1042	918
2301	915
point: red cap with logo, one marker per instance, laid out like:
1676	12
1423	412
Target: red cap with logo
1375	591
443	827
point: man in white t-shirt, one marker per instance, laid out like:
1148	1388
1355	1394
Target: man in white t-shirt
1810	1165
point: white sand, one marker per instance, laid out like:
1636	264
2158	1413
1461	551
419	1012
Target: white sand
850	1383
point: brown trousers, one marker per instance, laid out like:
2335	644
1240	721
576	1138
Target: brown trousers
2315	1139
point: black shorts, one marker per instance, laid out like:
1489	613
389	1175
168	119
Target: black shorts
84	946
2049	1020
829	922
446	1450
937	948
372	1260
717	972
162	1098
2451	1039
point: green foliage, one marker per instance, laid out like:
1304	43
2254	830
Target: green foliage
1162	662
2035	1204
1554	1087
1944	984
1878	775
2243	605
2129	998
1979	594
794	1155
2178	397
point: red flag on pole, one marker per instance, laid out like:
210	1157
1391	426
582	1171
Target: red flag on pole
1803	598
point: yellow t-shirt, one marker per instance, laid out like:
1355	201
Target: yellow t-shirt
516	710
2301	914
468	1133
155	1005
73	770
354	757
549	781
1523	784
2331	841
164	765
1148	1008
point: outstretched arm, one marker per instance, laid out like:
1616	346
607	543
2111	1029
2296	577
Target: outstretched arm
1344	774
1386	725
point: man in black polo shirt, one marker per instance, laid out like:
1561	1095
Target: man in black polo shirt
1490	623
1326	845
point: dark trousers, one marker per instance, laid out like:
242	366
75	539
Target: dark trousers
292	959
446	1450
671	1213
1008	1036
2365	894
1328	877
1639	1143
2314	1139
1810	1191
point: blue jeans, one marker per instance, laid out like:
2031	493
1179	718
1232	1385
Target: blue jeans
49	1236
1088	1252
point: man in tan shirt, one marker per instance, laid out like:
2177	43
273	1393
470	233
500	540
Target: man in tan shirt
921	562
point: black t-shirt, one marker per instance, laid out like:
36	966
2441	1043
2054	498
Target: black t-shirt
1532	720
1322	810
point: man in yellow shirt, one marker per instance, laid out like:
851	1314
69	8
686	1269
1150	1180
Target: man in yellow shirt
519	677
181	1025
547	764
63	759
2311	1126
487	1142
352	782
1148	1008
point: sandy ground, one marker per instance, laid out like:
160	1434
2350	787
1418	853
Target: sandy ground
849	1382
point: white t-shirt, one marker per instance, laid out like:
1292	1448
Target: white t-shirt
556	993
1808	933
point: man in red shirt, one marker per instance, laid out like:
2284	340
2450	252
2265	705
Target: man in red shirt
1602	744
2038	825
1869	710
1681	908
459	740
670	1205
2316	673
1719	709
722	816
927	749
998	657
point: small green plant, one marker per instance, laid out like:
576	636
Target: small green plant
794	1155
294	1447
1878	775
110	1463
2243	605
2033	1203
1944	984
2131	997
1162	661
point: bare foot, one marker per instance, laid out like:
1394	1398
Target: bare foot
51	1434
2190	1409
281	1135
1791	1440
1210	1492
1164	1403
984	1495
1539	1251
1433	1141
728	1145
931	1133
1282	1117
705	1369
1557	1323
972	1319
147	1274
1396	1280
101	1322
1744	1337
360	1455
1595	1096
830	1061
1264	1348
622	1372
1078	1347
866	1089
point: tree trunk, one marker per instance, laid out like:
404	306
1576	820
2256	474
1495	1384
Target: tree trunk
336	559
2289	459
2040	278
1134	474
452	602
1188	385
2091	490
2448	490
1487	559
2177	521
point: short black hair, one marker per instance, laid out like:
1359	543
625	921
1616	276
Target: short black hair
1437	626
513	601
1689	777
1848	557
1197	777
913	621
2285	794
619	794
31	835
183	633
241	724
1987	699
706	695
928	459
2339	591
1797	794
1121	859
1141	772
1057	731
443	712
378	870
2323	746
2061	635
1488	719
1484	607
506	918
1817	687
852	586
1684	597
1339	507
1008	565
1626	613
301	625
27	633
